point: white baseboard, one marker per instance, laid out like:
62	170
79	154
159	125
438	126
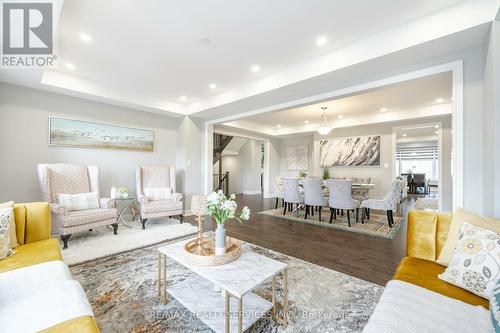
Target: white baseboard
269	195
251	192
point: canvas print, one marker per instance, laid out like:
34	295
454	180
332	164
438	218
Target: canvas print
350	152
297	158
76	133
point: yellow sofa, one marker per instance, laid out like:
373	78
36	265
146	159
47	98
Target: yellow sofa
35	247
426	235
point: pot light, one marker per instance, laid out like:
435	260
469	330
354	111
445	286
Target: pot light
439	100
306	122
279	126
70	66
183	98
404	134
212	86
383	109
437	132
436	126
321	40
340	116
255	68
85	38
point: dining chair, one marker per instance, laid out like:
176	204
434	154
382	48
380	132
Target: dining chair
419	181
291	194
361	194
388	203
341	198
278	191
313	196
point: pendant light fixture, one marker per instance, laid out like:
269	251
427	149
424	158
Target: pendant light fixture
324	129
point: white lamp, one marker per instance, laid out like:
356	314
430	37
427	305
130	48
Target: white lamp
324	129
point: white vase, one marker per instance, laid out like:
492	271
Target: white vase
220	240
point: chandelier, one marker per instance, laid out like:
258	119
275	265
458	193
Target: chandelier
324	129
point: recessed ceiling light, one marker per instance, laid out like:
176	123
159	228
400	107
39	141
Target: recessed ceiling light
212	86
436	126
255	68
321	40
383	109
437	132
85	38
340	116
306	122
70	66
404	134
183	98
279	126
439	100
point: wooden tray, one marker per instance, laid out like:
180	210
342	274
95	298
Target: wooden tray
233	251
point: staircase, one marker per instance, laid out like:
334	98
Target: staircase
220	180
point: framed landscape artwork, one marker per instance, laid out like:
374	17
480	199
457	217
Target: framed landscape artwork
297	158
350	152
77	133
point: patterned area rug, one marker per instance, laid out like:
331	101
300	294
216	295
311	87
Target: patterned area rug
123	294
426	204
101	242
376	226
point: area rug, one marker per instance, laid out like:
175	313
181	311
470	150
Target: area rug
376	226
101	242
426	204
122	292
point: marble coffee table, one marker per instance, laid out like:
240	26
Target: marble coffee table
236	280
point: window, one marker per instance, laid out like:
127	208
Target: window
422	159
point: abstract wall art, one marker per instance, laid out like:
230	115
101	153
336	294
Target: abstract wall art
357	151
297	158
77	133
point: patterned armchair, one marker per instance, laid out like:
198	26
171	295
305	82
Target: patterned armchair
388	203
157	177
73	179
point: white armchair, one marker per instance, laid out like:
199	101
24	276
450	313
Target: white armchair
62	178
157	177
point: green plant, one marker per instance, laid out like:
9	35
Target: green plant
302	174
326	173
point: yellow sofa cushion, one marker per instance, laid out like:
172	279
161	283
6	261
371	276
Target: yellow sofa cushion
31	254
83	324
460	216
424	273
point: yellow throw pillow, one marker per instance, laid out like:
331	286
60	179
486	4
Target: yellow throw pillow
12	227
460	216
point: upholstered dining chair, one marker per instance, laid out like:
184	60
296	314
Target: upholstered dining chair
63	178
313	196
291	194
278	191
166	202
388	203
360	194
340	197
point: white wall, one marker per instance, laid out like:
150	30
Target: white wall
250	158
24	116
491	134
233	165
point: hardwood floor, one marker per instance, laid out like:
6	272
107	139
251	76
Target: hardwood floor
369	258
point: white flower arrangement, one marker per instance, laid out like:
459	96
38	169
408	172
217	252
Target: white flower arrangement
223	209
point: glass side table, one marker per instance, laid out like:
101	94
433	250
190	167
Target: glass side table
130	201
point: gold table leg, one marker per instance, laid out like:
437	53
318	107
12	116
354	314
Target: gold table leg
227	311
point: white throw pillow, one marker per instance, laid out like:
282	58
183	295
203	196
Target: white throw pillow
80	201
158	193
6	218
13	232
475	265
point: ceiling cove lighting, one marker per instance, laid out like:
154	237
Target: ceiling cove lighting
321	40
324	129
85	38
70	66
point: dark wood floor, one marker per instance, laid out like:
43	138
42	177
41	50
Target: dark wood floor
370	258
